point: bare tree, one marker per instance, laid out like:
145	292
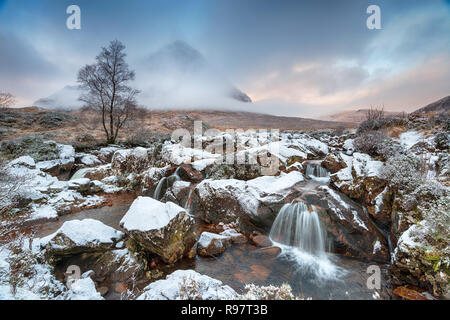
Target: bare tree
107	90
6	100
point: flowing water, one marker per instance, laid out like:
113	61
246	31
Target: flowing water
80	173
163	184
298	226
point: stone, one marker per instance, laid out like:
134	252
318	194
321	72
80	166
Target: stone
261	240
211	244
164	229
120	288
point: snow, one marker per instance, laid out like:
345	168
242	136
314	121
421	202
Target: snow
250	193
349	147
147	214
187	284
365	166
90	160
206	238
358	220
83	232
44	212
410	138
376	247
84	289
201	165
26	161
335	196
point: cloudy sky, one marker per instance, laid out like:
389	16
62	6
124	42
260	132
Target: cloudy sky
302	58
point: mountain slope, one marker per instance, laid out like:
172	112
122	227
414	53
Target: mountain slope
441	106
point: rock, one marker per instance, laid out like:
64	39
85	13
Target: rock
103	290
188	173
98	173
79	236
236	237
417	262
120	288
130	161
187	285
253	203
211	244
361	180
267	253
261	240
333	162
105	154
348	225
164	229
409	294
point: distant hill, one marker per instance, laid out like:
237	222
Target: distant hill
441	106
353	116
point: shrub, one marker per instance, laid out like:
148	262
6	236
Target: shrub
145	138
254	292
369	142
404	171
84	141
437	214
33	146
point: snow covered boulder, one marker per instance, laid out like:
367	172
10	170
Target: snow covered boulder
253	203
164	229
62	166
79	236
105	154
348	225
188	285
418	262
130	161
211	244
361	180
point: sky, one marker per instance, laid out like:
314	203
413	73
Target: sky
296	58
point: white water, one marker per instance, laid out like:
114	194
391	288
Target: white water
80	173
174	177
296	226
298	232
188	204
316	170
157	193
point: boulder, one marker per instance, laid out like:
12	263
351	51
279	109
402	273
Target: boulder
348	225
361	180
164	229
252	204
211	244
420	263
130	161
79	236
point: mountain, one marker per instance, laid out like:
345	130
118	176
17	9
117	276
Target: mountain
64	99
441	106
175	76
354	116
179	75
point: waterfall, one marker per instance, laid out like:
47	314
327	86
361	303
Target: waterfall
165	182
188	204
316	170
80	173
299	227
161	184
